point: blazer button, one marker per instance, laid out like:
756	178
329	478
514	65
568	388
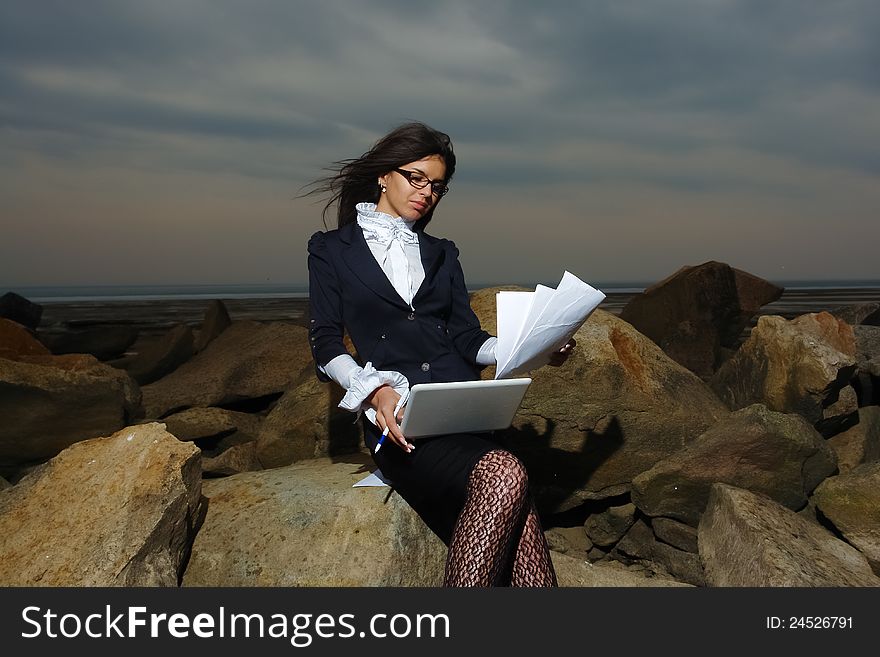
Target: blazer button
382	336
426	367
411	316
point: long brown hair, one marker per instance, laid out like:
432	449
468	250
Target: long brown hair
355	180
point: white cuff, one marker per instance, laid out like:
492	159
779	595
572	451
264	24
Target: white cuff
341	369
363	383
486	354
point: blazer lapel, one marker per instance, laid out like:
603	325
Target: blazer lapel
431	253
360	260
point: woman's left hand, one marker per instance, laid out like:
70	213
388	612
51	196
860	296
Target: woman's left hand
559	357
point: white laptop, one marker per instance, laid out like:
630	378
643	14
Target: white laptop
462	406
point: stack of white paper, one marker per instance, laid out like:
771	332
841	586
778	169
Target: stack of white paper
532	325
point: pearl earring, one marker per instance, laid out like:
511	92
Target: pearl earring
383	189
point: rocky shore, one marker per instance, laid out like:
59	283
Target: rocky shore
694	438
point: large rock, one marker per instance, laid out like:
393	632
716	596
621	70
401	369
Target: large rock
203	424
797	366
248	360
867	345
104	342
49	402
307	423
842	413
860	443
777	454
16	341
747	539
216	321
861	313
606	528
235	459
572	572
852	503
20	310
868	364
674	533
572	541
162	356
615	408
641	546
697	314
115	511
304	525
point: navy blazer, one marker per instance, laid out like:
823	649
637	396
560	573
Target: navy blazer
348	290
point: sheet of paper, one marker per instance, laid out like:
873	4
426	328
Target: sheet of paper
512	309
375	478
548	326
540	299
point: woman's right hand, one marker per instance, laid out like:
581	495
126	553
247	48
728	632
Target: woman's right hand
383	400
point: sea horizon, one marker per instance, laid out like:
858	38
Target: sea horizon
147	292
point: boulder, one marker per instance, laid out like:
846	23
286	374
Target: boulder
867	345
50	402
674	533
868	364
842	413
113	511
216	321
851	502
304	525
162	356
202	424
616	407
777	454
606	528
640	545
747	539
797	366
573	572
235	459
307	423
20	310
572	541
248	360
697	314
104	342
4	484
860	313
860	443
214	430
16	341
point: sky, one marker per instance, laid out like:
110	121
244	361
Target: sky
170	142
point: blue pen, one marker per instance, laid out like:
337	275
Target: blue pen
381	440
400	402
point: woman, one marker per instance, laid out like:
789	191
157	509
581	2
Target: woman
401	295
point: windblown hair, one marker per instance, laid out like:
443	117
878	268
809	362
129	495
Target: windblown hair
355	180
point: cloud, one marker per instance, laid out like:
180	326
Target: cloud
700	103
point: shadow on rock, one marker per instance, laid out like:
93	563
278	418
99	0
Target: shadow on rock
557	475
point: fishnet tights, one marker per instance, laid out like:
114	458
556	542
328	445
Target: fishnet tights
497	540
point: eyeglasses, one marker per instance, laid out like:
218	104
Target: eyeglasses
420	181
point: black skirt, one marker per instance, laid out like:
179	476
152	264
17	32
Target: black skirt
433	478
